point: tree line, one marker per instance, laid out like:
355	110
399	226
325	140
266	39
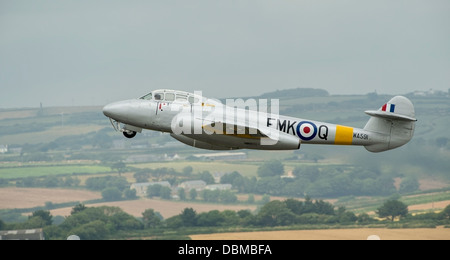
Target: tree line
274	213
318	182
112	222
315	181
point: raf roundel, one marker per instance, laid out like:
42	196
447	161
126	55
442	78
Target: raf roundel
306	130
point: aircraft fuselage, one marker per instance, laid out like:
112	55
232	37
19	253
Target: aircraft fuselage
210	124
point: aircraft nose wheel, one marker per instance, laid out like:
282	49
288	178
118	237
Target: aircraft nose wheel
129	134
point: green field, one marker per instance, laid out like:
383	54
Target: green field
245	168
38	171
49	134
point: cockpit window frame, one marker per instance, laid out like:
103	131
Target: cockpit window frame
160	95
182	97
193	99
148	96
169	97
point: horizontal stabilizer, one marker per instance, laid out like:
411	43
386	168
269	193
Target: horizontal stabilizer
398	108
389	115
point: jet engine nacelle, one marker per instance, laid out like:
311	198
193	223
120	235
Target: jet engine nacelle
198	144
273	141
277	140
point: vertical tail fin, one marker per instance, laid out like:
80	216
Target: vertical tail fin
395	120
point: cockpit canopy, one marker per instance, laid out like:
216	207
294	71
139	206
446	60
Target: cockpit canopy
168	95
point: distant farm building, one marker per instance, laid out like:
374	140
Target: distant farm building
3	148
140	158
218	187
189	185
25	234
141	188
225	156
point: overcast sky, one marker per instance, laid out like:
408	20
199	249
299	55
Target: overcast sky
92	52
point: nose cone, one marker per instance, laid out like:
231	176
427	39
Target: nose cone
110	110
118	110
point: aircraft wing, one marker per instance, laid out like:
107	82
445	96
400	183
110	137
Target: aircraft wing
217	135
235	130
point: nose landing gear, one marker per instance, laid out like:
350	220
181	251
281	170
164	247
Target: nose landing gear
127	130
129	134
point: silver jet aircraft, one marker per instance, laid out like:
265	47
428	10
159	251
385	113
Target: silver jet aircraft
206	123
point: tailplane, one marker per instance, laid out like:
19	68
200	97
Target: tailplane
395	120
